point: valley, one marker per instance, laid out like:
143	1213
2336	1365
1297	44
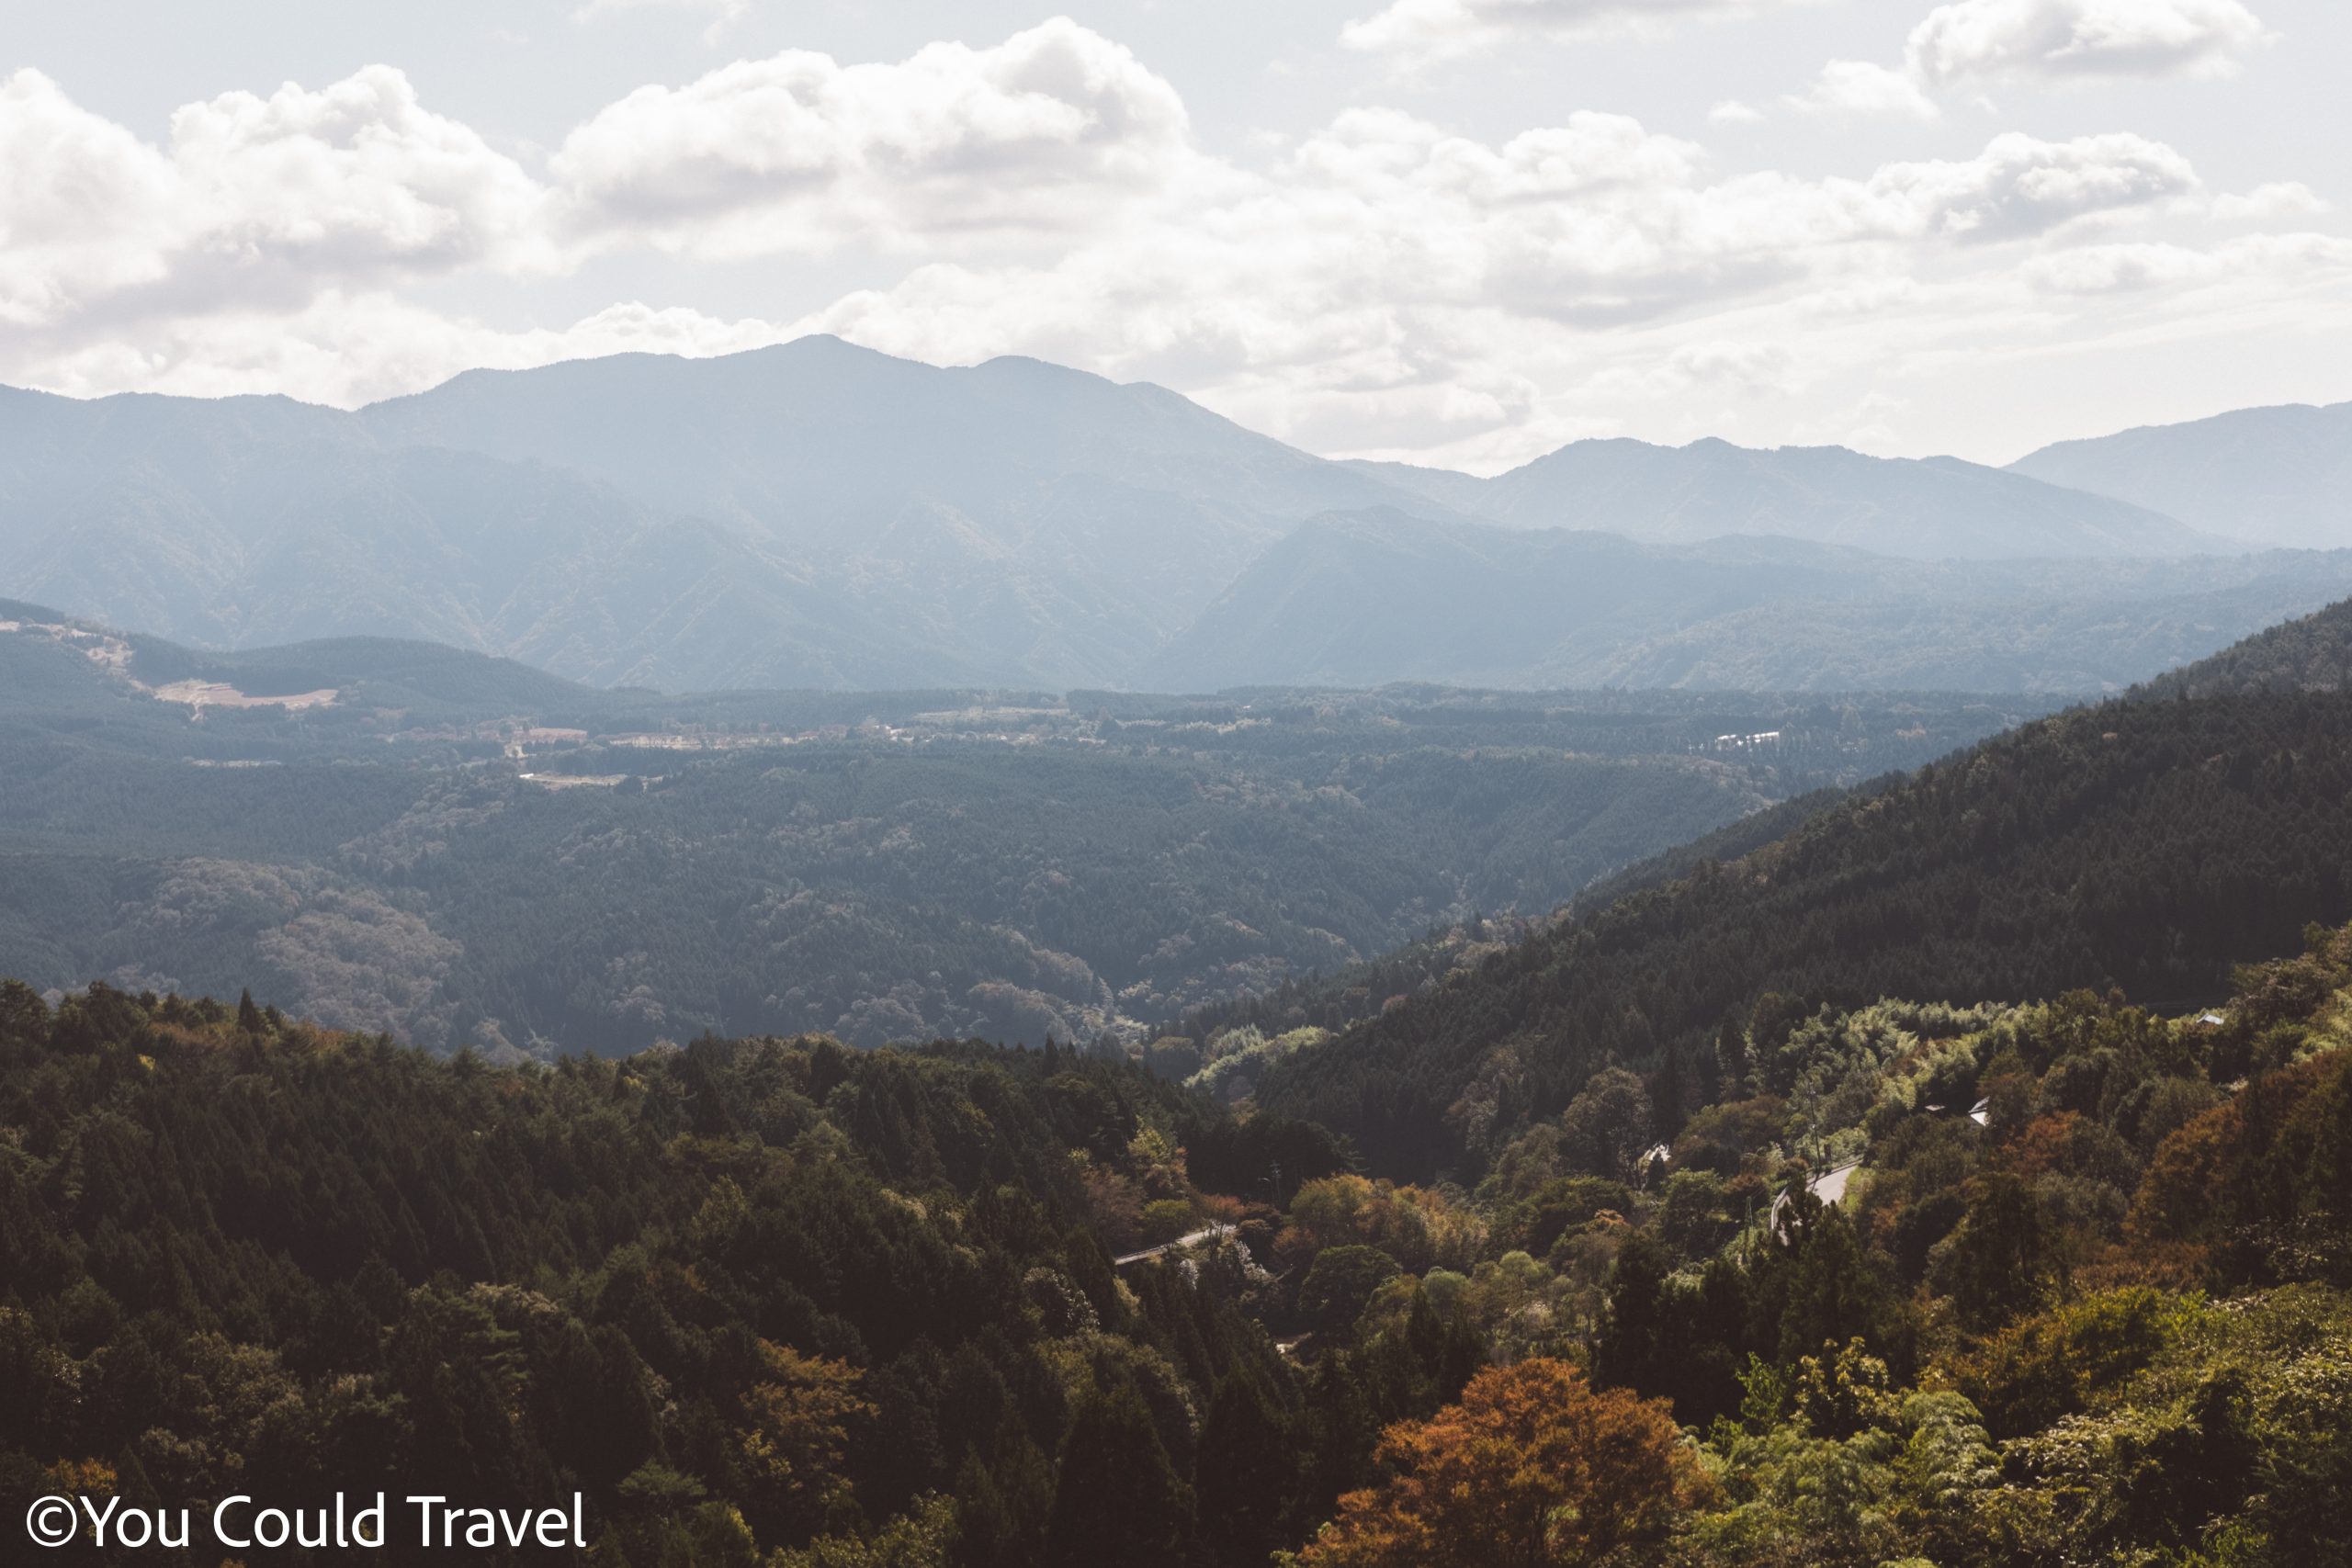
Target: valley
462	851
1416	783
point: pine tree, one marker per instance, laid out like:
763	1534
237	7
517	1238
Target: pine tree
1119	1500
1249	1468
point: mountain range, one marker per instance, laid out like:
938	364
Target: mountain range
2276	476
820	515
1931	508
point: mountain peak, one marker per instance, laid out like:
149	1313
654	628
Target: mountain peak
2268	475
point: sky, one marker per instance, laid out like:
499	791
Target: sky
1459	233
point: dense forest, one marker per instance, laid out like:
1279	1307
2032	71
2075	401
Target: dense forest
461	851
2146	843
1969	1285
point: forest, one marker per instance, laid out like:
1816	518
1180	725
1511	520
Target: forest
1983	1284
2148	841
460	851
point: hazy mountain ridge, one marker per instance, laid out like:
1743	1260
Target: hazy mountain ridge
812	515
2280	475
1055	524
816	515
1369	598
1922	509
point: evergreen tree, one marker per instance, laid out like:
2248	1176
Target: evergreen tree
1118	1500
1247	1476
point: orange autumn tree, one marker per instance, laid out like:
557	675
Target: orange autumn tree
1532	1468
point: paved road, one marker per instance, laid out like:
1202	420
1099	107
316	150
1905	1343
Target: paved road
1192	1239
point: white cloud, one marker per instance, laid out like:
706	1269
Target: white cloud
1459	26
1384	284
1858	87
2281	199
2019	186
85	206
355	179
1998	40
1732	111
1391	277
266	198
2082	37
800	154
2145	266
2114	269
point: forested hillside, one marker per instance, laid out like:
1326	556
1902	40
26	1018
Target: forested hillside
2148	843
740	1293
460	849
1971	1286
1977	1285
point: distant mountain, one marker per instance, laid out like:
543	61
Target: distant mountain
259	520
1051	525
1379	596
812	515
2272	476
1931	508
2151	843
816	515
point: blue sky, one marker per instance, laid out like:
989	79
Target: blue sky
1457	232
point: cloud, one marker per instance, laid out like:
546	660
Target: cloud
2281	199
1732	111
1390	277
276	197
1993	39
85	206
2146	267
1460	27
356	179
1858	87
2114	269
2019	186
800	154
2000	39
1384	284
